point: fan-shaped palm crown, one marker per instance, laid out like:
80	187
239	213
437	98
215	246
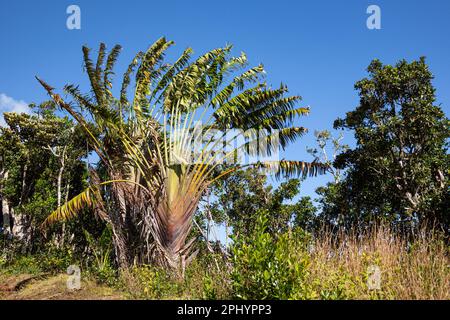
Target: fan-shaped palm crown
160	148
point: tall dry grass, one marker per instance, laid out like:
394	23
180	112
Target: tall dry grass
412	267
333	266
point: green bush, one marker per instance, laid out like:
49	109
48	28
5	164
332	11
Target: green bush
55	259
3	260
207	277
100	262
23	264
51	259
269	267
154	283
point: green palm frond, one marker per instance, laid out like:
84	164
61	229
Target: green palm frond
181	63
239	82
190	86
282	119
100	60
290	168
232	110
110	62
100	113
147	72
92	73
276	108
127	79
90	197
83	100
290	135
73	207
262	143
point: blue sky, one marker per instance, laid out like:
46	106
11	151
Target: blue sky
318	48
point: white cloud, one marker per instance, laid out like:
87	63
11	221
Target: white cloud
8	104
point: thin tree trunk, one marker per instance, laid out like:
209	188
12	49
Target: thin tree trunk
5	208
63	229
62	161
6	215
226	233
59	196
24	183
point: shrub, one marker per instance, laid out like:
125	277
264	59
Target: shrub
207	277
23	264
267	266
55	259
99	260
148	282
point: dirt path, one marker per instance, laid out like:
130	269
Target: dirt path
44	287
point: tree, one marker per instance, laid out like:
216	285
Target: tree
240	198
33	179
327	150
153	187
399	169
324	139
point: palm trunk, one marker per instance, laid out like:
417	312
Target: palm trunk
173	231
122	232
121	248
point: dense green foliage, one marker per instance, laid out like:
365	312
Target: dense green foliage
239	199
399	169
42	165
268	266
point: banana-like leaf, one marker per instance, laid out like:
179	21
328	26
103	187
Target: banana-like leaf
73	207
